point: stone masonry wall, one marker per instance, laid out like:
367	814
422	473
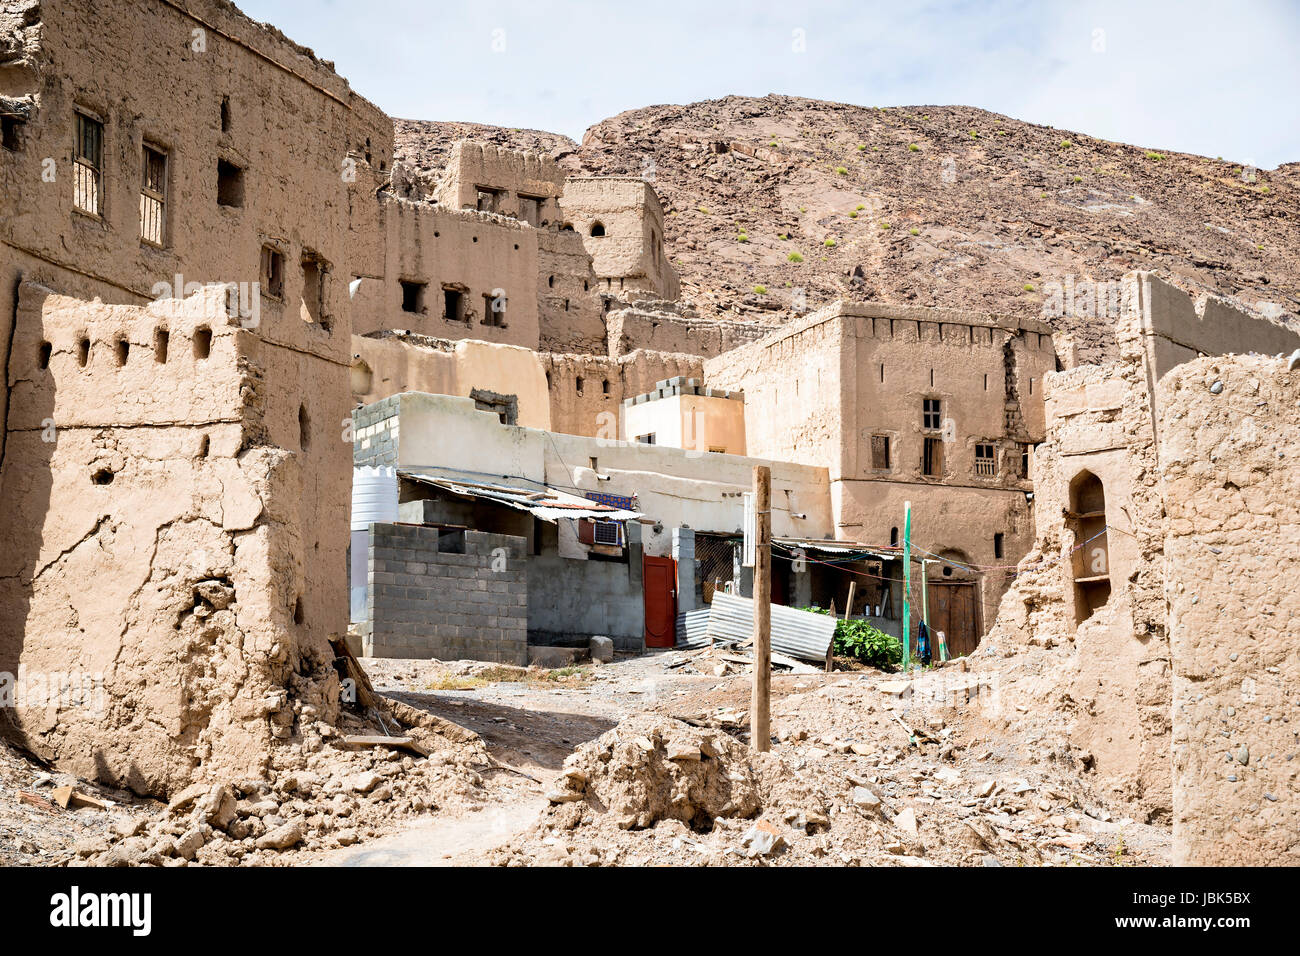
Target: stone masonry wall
1230	457
426	602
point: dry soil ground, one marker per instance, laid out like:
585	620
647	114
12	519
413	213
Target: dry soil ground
858	775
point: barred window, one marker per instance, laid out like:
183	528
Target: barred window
88	164
153	195
985	460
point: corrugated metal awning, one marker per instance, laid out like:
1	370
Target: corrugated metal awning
549	504
800	634
840	548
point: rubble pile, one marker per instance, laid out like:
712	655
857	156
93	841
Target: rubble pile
321	792
866	770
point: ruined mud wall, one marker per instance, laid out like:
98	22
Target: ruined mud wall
481	256
391	363
1230	444
662	331
570	312
587	390
203	84
628	253
167	538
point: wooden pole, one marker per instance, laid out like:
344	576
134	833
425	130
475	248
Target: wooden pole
853	585
907	586
760	721
925	594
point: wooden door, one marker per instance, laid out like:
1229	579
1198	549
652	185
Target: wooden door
659	581
952	610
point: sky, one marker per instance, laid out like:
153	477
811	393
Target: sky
1214	78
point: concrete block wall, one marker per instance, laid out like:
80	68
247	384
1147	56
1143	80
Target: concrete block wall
375	432
427	602
569	601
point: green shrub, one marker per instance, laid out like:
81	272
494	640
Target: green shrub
760	290
1156	156
862	147
1066	144
853	214
884	225
1029	287
1078	179
829	243
915	232
842	170
913	148
794	257
864	642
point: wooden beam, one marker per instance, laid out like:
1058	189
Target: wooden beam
760	721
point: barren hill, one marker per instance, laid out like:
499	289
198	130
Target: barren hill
931	205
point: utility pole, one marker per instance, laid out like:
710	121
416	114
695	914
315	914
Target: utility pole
907	586
760	723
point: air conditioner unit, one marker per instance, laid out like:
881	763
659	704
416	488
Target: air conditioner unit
608	532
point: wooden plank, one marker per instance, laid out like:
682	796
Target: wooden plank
379	740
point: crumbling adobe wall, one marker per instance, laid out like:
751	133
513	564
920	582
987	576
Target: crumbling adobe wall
659	330
1230	457
162	541
592	408
1110	673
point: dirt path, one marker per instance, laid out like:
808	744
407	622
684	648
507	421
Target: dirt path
442	841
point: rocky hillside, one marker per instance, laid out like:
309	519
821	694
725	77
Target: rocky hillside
776	198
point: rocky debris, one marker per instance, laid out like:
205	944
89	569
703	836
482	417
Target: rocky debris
652	768
956	795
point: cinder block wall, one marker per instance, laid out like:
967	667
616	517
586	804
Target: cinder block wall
426	602
375	432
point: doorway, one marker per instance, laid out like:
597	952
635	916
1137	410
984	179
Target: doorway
952	610
659	581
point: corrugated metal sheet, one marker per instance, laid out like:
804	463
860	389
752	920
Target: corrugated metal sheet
549	504
840	548
693	628
800	634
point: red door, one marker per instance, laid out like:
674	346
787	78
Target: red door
659	579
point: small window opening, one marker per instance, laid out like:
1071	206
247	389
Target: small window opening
161	337
225	114
550	282
83	352
121	349
202	343
985	460
882	371
893	537
489	200
9	128
230	184
880	452
453	305
597	229
999	550
578	384
204	444
43	355
304	428
298	614
88	164
153	195
931	414
604	386
494	308
103	477
272	272
413	297
313	283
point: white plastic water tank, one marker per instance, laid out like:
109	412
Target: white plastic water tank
374	499
374	496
